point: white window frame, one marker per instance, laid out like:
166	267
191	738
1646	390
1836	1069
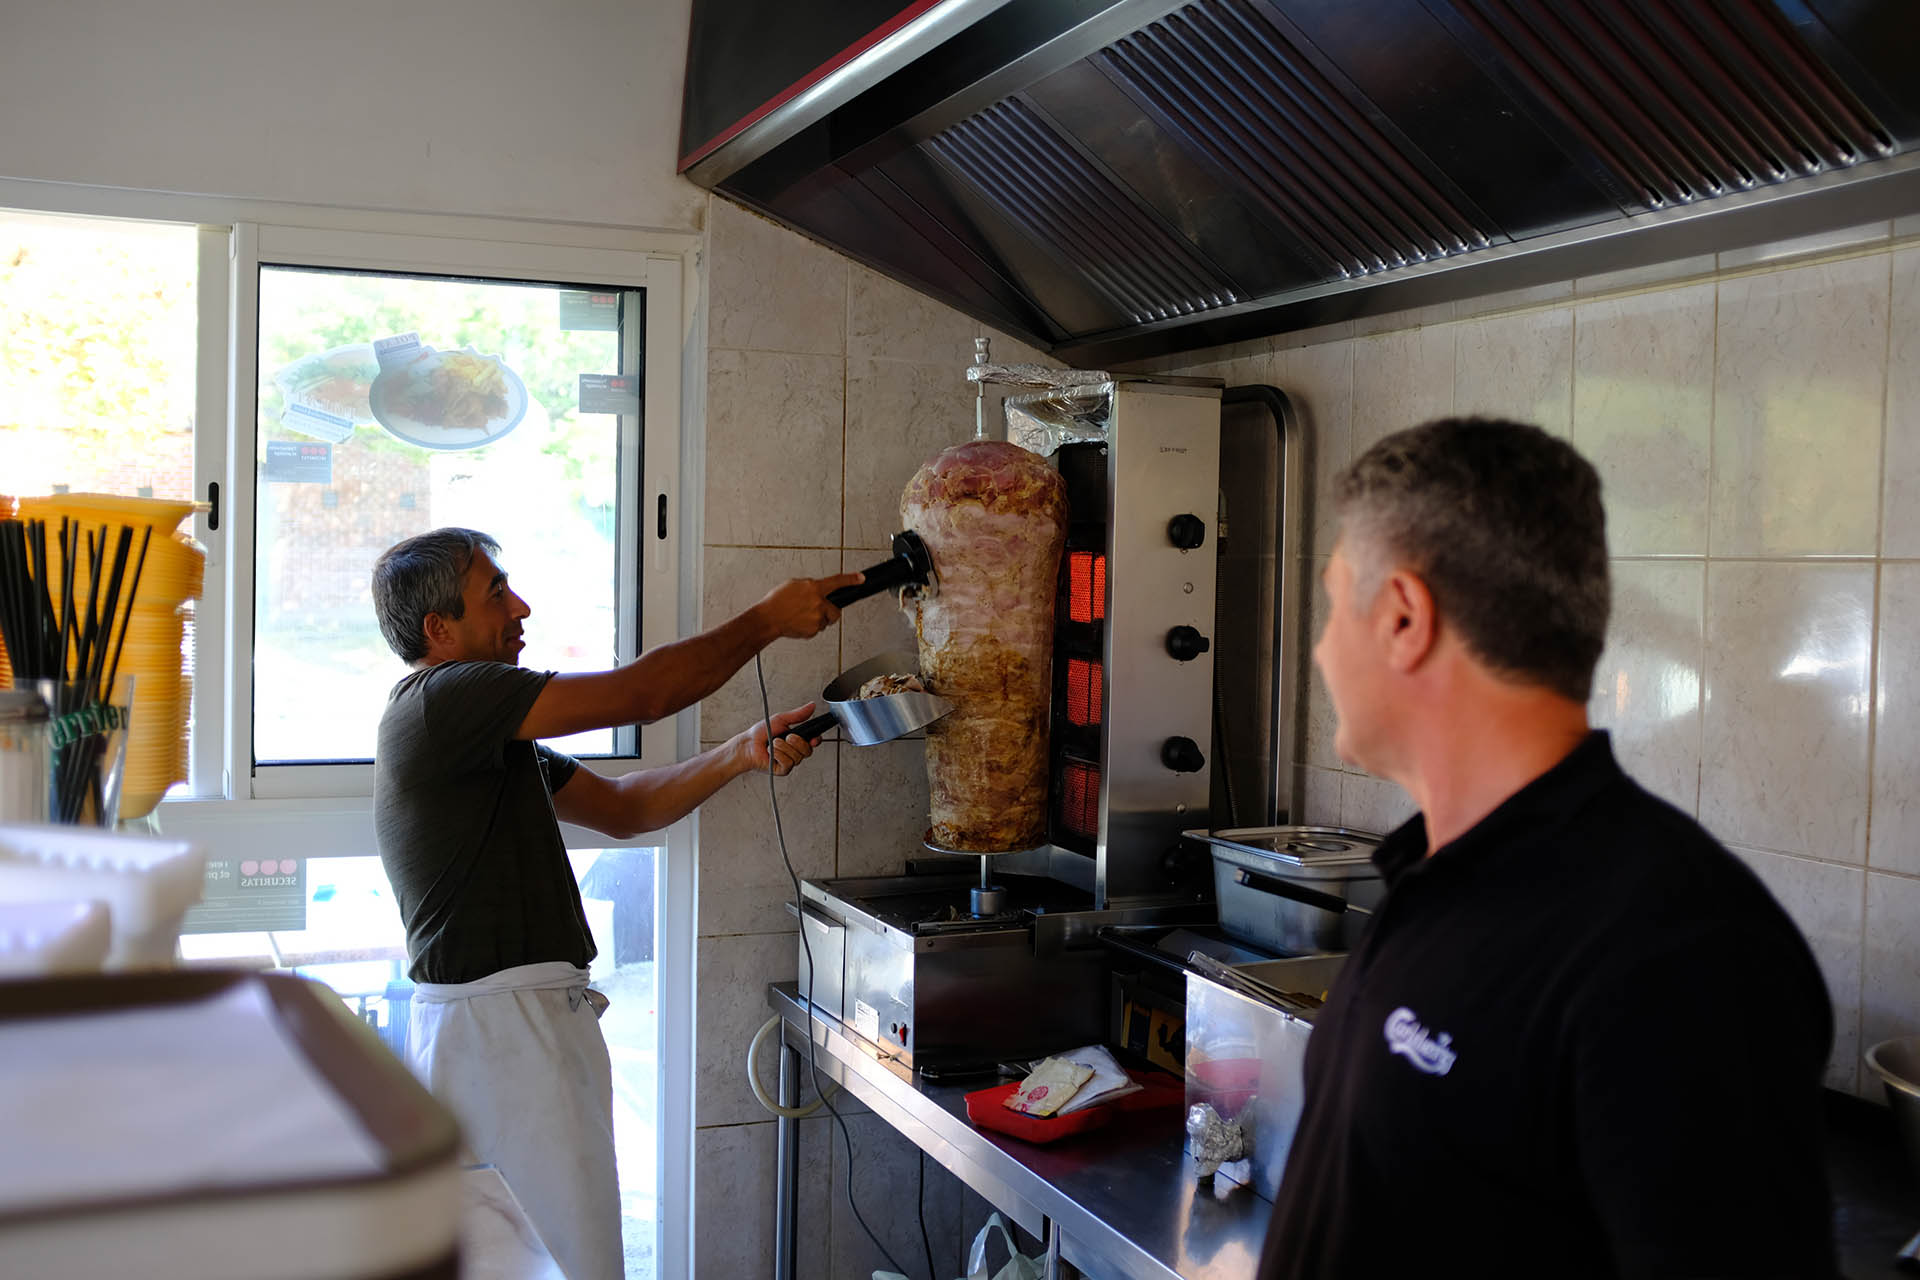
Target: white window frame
658	275
230	820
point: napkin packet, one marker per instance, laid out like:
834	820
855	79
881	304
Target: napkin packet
1050	1087
1071	1082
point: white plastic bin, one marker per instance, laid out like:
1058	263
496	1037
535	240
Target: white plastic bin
146	884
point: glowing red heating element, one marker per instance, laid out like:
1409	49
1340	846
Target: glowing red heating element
1083	692
1080	798
1086	586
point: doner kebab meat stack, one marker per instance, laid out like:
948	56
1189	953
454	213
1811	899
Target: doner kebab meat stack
994	519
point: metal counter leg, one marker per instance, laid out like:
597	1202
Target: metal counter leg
1055	1267
786	1224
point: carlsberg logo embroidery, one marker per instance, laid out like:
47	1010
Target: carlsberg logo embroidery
1406	1037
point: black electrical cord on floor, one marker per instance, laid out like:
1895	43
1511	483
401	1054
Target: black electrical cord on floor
920	1203
799	905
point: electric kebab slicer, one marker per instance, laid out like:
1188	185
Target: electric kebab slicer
909	568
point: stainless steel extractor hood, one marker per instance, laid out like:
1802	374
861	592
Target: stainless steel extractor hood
1116	180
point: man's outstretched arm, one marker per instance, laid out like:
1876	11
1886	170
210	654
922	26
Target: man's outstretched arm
651	799
671	677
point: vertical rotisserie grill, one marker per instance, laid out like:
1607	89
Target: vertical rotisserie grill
928	966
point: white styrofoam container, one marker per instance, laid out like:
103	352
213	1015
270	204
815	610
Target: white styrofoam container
146	884
53	937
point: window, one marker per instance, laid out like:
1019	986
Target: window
553	375
394	404
96	356
98	394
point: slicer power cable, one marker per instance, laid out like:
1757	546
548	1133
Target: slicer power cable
799	905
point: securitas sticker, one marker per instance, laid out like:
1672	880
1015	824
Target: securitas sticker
1427	1052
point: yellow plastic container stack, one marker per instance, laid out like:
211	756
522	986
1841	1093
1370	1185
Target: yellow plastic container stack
159	643
6	668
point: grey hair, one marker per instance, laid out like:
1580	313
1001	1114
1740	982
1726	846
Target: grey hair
419	576
1503	522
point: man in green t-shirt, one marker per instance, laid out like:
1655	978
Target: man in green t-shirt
467	807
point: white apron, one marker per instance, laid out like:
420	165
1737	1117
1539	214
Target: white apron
519	1059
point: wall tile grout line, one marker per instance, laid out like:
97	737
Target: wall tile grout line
778	351
1877	655
1705	695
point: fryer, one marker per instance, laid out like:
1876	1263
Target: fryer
1171	502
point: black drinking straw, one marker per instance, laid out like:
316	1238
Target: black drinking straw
69	613
104	688
10	600
90	628
20	595
43	593
133	591
17	568
28	618
84	779
109	607
37	536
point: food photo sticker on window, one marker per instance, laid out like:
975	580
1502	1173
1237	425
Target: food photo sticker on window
447	400
326	394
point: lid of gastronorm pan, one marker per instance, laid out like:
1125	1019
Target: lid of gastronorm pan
148	1065
1302	846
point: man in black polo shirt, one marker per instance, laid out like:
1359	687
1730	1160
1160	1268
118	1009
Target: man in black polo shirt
1579	1037
467	807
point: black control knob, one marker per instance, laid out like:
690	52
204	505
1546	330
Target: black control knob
1182	755
1186	532
1186	644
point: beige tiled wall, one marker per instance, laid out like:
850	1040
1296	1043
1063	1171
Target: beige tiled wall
1763	671
827	386
1756	420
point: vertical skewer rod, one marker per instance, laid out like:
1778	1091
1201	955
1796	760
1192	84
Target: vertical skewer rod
980	416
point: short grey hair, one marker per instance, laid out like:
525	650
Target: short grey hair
1503	523
419	576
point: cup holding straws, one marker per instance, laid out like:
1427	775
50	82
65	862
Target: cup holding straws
66	597
87	741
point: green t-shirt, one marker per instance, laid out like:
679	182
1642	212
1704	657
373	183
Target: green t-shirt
464	817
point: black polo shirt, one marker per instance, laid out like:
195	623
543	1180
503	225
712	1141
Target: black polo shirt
1580	1040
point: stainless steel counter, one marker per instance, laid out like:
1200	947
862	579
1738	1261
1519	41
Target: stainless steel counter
1123	1201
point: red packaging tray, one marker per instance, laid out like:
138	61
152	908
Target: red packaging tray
987	1109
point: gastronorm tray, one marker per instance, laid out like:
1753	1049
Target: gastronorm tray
1306	848
1294	890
